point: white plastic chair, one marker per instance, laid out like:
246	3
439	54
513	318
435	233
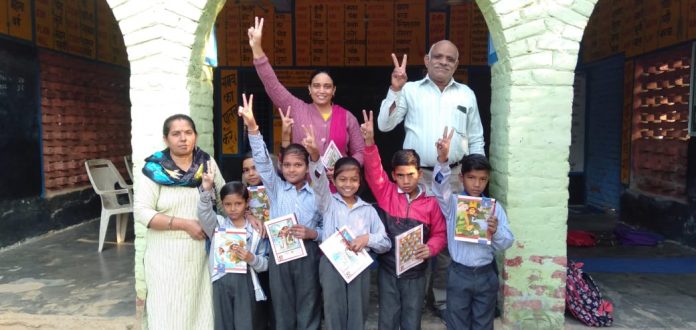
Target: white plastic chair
129	166
103	175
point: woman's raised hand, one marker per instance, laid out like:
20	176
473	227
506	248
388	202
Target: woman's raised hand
247	114
255	34
368	129
309	142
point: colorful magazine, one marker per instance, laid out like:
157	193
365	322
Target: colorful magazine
472	213
406	245
331	155
226	241
348	263
259	205
285	246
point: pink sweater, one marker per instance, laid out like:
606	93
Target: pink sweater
308	114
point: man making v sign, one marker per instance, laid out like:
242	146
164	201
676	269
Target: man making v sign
427	105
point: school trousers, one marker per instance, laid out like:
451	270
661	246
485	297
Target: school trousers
471	297
345	304
295	290
234	302
264	309
436	278
400	301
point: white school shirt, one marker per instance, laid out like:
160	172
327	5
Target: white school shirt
426	111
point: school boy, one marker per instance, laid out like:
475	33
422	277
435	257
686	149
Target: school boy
406	206
472	284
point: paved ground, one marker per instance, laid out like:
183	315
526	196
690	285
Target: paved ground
59	281
641	300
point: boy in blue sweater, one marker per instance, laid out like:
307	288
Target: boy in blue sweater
472	283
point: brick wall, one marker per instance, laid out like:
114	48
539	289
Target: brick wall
85	114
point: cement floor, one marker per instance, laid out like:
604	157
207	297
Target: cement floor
59	281
641	300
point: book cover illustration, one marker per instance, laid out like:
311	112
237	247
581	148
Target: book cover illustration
259	205
226	241
331	155
348	263
285	246
406	245
472	213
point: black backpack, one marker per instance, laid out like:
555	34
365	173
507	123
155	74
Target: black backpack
583	299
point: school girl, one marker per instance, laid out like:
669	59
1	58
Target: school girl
345	304
251	178
294	284
235	296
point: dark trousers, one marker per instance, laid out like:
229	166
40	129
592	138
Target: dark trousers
234	302
471	297
345	304
264	309
295	290
436	277
400	301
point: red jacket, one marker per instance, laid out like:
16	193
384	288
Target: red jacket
402	215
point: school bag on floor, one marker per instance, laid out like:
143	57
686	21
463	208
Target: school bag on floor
636	237
583	299
580	238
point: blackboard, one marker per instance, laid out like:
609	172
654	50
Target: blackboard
20	164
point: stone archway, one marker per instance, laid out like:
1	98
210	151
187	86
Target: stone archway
165	41
537	44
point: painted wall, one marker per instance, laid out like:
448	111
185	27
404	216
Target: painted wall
69	103
537	44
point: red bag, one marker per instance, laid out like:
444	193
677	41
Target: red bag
581	238
583	299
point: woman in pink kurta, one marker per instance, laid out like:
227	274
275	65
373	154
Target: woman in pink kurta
331	122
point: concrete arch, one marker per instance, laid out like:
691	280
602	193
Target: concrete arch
165	42
537	44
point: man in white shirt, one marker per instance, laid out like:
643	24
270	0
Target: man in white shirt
428	105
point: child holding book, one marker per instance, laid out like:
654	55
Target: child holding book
235	295
259	209
406	206
472	283
345	304
294	284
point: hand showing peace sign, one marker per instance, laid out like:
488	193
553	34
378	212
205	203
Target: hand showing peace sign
255	34
208	177
247	114
309	143
286	121
443	144
368	129
398	77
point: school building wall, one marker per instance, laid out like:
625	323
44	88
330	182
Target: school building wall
646	175
79	109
